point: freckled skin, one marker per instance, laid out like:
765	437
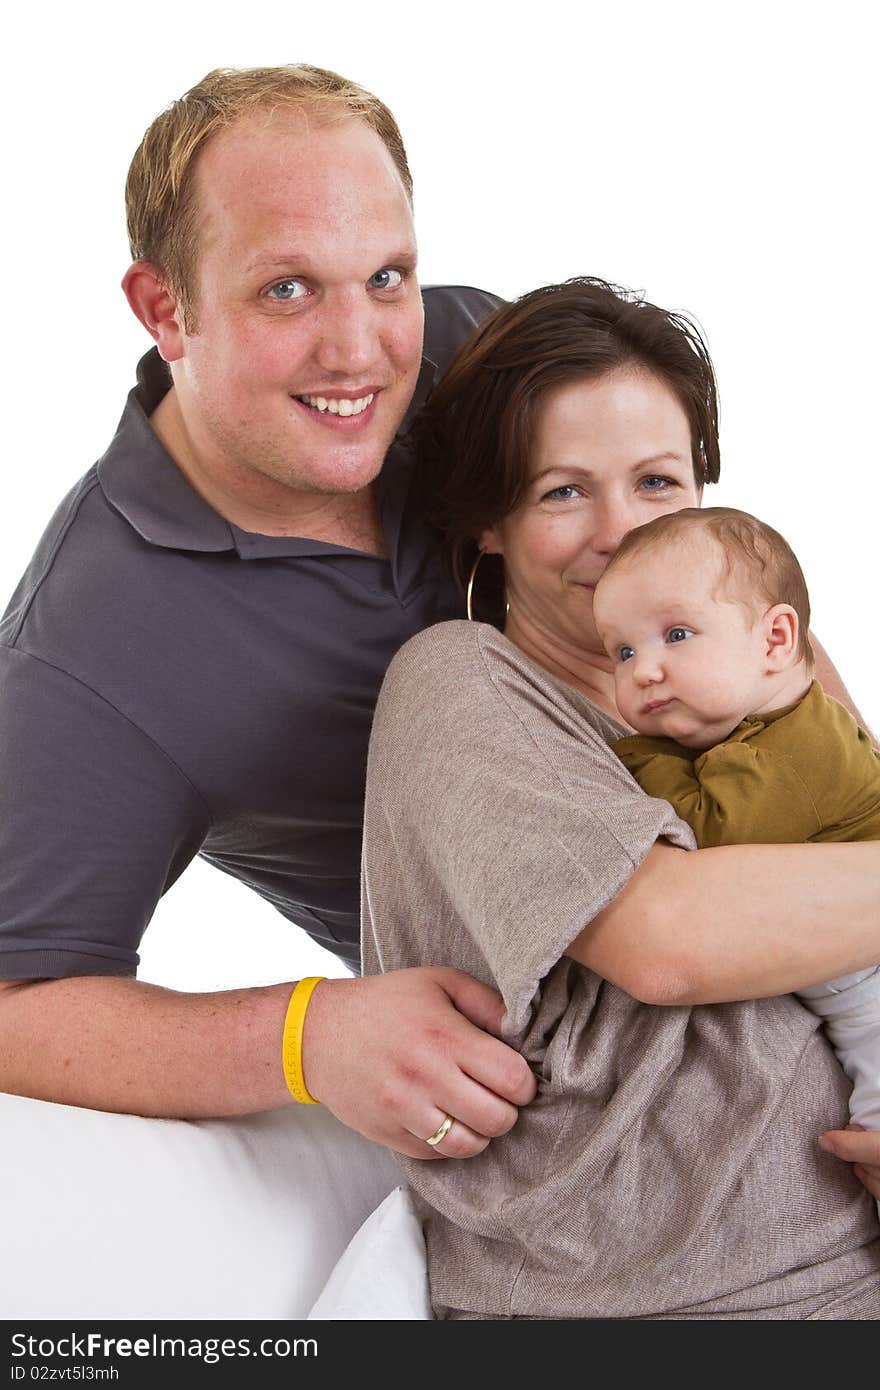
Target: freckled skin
296	225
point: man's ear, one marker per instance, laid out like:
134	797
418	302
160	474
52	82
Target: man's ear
155	306
781	631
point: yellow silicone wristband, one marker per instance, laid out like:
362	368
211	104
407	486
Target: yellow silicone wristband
291	1043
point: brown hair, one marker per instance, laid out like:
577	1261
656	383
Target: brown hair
159	201
760	564
475	433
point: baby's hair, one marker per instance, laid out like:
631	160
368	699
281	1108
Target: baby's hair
760	564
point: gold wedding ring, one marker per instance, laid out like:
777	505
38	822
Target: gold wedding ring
442	1131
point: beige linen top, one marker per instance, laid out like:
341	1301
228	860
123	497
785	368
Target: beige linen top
668	1166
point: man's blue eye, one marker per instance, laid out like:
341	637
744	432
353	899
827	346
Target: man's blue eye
625	653
286	290
385	279
678	634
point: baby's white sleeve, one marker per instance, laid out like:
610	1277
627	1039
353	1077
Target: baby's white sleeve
850	1009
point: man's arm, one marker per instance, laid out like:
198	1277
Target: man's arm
829	678
389	1055
95	823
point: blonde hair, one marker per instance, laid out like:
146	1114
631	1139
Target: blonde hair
160	205
760	563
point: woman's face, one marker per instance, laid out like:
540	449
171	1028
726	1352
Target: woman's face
608	454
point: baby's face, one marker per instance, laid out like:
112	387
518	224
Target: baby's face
688	654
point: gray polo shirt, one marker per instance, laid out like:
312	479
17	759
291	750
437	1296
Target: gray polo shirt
172	686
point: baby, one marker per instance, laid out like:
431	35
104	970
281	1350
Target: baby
705	615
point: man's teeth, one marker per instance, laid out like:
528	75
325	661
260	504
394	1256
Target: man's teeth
337	407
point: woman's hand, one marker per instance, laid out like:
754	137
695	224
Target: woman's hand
858	1146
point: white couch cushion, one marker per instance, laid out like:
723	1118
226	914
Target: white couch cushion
116	1216
383	1272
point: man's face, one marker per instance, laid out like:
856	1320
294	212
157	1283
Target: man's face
308	317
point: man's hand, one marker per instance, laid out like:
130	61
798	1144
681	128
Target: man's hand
392	1055
858	1146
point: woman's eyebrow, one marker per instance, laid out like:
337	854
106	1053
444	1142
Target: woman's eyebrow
650	461
563	467
669	456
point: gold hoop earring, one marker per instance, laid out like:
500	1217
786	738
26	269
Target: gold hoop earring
470	585
470	588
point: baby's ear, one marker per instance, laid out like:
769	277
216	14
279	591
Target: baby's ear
781	627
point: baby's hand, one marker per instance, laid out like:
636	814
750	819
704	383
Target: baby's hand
858	1146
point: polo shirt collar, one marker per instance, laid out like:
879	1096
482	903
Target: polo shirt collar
142	482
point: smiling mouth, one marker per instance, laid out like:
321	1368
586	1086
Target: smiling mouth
342	406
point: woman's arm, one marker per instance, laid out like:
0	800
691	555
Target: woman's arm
737	922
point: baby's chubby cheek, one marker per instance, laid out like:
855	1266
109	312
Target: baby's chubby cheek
623	694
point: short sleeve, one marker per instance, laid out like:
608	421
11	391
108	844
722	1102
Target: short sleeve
452	312
495	810
95	823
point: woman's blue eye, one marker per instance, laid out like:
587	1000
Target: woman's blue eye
625	653
656	483
386	279
285	290
678	634
562	493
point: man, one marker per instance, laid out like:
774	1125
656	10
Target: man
190	664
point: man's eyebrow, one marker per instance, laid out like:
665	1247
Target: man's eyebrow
277	262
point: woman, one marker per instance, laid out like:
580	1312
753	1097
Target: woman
668	1167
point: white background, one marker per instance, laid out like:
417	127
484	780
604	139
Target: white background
720	156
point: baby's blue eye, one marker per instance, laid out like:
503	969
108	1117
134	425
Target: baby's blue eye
625	653
678	634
